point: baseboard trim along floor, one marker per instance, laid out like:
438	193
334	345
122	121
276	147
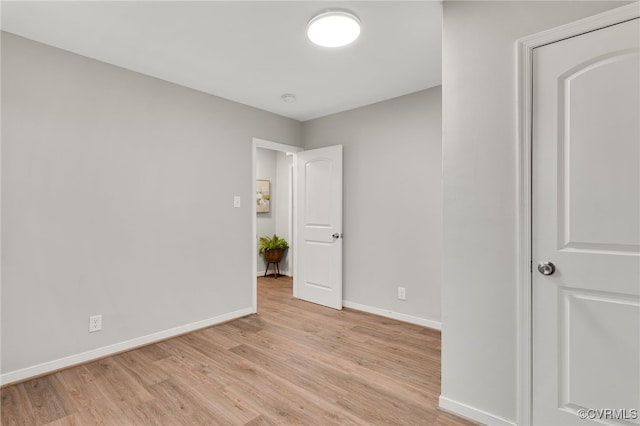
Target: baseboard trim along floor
471	413
393	315
58	364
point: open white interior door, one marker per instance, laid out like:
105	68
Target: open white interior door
318	276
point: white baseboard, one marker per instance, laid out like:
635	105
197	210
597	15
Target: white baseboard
394	315
471	413
51	366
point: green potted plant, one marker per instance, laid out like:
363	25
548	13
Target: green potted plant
272	248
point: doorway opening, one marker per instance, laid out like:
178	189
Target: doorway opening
274	172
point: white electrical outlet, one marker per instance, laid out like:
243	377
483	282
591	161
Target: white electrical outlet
402	293
95	323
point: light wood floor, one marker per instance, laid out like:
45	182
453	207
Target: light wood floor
293	363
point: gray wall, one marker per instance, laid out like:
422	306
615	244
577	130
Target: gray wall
117	199
392	200
266	169
283	207
479	338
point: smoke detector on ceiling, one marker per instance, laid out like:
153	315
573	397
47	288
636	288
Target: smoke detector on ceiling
289	98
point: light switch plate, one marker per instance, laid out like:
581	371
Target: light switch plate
236	201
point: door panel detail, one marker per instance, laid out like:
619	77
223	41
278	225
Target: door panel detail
318	201
580	385
602	190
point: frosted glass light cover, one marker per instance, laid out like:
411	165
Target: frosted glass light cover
333	29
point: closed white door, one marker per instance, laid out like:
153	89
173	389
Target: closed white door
318	277
586	224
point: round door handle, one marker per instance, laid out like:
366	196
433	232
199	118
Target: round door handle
546	268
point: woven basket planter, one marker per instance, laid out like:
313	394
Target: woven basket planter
273	256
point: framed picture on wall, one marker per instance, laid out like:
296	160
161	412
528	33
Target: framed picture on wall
263	196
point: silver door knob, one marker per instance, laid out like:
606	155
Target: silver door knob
546	268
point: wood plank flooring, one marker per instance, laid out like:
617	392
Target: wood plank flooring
292	363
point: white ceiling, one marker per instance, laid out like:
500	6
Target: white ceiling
249	52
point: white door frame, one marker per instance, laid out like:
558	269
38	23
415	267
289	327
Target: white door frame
525	48
275	146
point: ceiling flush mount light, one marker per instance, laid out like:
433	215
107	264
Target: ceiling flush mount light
289	98
333	28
